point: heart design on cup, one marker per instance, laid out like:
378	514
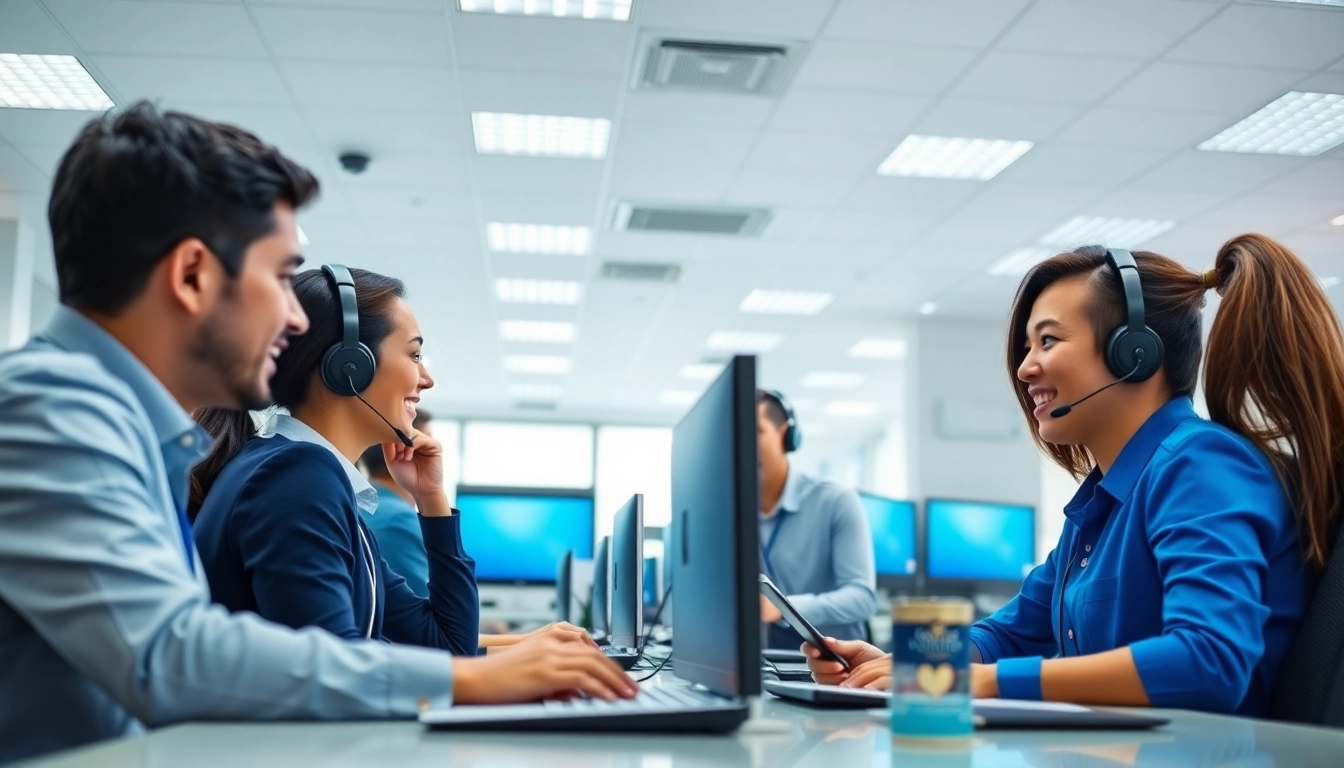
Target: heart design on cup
935	681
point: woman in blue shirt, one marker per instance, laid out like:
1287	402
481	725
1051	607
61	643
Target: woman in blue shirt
1189	552
276	517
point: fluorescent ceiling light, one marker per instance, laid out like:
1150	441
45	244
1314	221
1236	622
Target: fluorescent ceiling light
609	10
1338	221
849	408
743	341
946	157
928	308
515	291
1020	261
545	364
785	302
701	371
1330	282
538	238
1296	123
1099	230
535	392
880	349
505	133
536	332
833	380
303	236
678	397
42	81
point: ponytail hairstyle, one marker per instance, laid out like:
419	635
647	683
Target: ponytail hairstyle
375	296
1274	372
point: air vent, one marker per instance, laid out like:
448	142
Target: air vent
721	67
743	222
640	272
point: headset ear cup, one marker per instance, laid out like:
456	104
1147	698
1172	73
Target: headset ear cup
1123	353
343	365
794	439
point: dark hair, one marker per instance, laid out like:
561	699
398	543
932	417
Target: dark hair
774	410
299	363
372	459
138	181
1274	371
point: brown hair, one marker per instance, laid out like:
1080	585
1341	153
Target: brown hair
1274	371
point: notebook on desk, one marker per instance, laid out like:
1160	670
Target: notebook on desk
989	713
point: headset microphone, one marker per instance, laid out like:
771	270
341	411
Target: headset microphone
1065	410
406	441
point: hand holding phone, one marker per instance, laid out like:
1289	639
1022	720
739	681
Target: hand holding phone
800	624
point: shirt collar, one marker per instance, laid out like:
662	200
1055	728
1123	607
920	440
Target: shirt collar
790	498
1119	481
366	497
72	331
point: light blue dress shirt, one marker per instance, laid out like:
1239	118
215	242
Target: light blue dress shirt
397	526
822	555
104	628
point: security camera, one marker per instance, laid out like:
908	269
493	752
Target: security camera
354	162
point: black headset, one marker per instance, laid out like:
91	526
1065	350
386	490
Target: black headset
348	366
793	435
1133	351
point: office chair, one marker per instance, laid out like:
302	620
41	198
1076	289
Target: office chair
1311	686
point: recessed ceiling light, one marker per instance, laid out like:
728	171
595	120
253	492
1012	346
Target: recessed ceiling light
42	81
544	364
538	238
536	332
505	133
700	371
833	380
880	349
743	341
785	302
947	157
1296	123
849	408
516	291
1338	221
1330	282
610	10
1117	233
1020	261
928	308
678	397
534	392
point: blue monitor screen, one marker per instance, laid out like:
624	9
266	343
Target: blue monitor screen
893	525
521	537
651	596
979	540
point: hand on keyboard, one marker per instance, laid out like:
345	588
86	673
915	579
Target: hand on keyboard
539	668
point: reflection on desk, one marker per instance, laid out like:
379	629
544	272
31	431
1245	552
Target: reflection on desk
816	739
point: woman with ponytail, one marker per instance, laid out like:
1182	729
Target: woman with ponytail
1190	551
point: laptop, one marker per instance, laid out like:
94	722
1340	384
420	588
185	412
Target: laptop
714	555
989	713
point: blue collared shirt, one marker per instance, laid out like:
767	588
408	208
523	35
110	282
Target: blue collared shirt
1186	552
103	625
397	526
822	555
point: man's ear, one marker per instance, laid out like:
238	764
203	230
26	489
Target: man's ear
194	276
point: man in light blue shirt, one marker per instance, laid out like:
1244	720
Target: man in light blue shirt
175	241
816	545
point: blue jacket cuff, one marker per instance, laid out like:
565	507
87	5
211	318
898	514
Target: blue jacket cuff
1020	678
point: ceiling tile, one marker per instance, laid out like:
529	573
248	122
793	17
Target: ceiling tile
397	167
1049	79
811	110
36	127
1081	165
1319	178
778	151
511	43
1228	172
1232	91
26	28
764	188
28	168
951	22
196	80
159	29
378	131
995	120
549	175
537	209
910	197
282	126
385	5
670	183
342	35
751	19
1270	35
1122	127
1170	204
892	229
454	238
451	203
1135	28
541	93
652	144
741	112
371	86
1273	216
873	67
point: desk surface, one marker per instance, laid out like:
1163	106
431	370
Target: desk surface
826	739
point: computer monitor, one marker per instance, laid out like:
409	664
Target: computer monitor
518	535
894	541
601	619
627	574
653	592
978	544
564	585
715	549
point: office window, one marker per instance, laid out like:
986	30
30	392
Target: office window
528	455
449	434
634	460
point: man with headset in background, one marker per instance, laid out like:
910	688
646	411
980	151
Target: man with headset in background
816	545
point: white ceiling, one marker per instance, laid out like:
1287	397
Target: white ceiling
1115	95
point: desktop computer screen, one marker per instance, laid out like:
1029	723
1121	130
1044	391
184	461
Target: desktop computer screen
564	586
978	541
652	591
601	616
519	535
893	526
627	574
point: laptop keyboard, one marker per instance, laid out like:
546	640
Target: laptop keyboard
648	698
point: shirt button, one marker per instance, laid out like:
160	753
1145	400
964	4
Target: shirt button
1083	564
187	441
1087	548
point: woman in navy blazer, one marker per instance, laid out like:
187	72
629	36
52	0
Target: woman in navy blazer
276	516
1190	551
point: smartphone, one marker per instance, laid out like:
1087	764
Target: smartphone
796	620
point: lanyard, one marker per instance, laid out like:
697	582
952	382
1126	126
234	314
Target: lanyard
770	545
